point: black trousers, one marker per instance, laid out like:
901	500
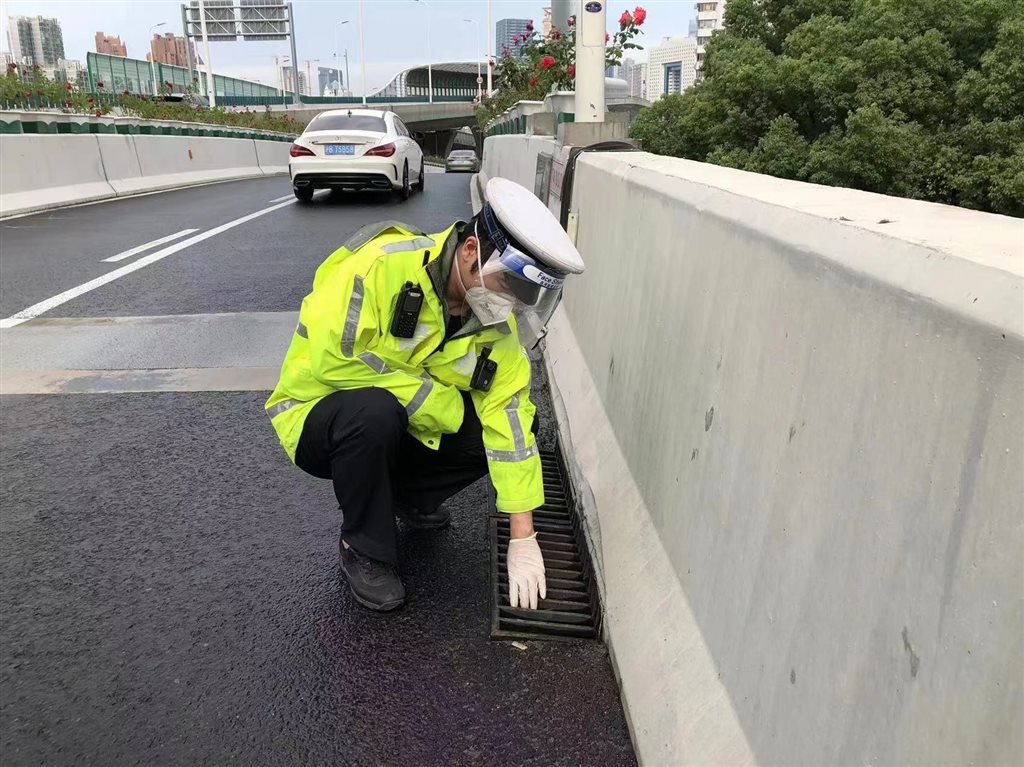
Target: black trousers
358	439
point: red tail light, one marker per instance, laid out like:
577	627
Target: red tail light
384	150
300	151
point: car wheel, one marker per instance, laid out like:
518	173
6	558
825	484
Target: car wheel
303	193
406	190
421	182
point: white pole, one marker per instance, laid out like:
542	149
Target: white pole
362	50
337	64
430	61
490	53
211	90
479	78
152	57
590	51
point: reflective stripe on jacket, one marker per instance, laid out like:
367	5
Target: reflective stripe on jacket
343	341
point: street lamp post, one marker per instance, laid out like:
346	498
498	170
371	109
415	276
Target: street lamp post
362	50
490	52
337	47
430	58
152	57
479	75
280	73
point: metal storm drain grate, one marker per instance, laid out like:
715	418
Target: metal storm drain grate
571	609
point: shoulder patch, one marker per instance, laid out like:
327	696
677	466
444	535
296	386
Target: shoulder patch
368	232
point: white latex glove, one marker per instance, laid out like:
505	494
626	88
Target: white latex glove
525	572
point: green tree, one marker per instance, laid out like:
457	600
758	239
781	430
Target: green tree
916	98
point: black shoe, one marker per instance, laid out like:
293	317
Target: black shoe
374	584
417	520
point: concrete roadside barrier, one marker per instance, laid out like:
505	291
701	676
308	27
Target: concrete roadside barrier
272	156
173	161
39	171
121	162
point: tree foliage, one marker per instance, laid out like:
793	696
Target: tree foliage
915	98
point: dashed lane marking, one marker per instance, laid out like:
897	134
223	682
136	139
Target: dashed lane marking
143	248
62	298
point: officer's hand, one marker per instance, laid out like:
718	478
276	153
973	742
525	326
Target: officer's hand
525	572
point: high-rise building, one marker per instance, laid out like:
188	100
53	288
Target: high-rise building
636	75
170	49
69	71
288	81
329	81
506	32
110	45
693	28
671	66
710	16
35	40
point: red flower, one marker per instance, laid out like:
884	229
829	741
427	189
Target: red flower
28	94
67	86
556	35
607	37
571	21
99	84
126	92
547	62
624	20
529	27
639	15
515	40
99	113
572	71
533	81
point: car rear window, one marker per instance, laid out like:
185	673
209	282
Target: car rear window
348	122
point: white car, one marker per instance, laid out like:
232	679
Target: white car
355	149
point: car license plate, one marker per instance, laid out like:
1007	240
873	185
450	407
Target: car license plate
339	149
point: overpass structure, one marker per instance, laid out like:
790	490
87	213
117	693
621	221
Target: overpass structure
790	416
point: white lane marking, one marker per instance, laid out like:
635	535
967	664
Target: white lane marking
148	245
62	298
279	199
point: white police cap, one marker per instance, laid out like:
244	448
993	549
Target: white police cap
532	226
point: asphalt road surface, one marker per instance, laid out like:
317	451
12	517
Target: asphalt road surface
168	581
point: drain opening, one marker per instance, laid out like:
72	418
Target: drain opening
571	609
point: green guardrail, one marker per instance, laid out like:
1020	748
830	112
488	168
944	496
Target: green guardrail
54	123
261	101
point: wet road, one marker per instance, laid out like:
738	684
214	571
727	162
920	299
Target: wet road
168	582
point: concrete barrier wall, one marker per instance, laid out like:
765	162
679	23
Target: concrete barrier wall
794	417
40	171
515	157
272	157
172	161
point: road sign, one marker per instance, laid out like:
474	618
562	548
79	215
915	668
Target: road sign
250	19
479	80
220	20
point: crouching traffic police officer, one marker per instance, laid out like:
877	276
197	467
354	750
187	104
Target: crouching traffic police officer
407	380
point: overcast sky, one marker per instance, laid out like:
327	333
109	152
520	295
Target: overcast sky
395	30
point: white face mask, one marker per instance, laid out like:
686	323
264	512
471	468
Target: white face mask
489	307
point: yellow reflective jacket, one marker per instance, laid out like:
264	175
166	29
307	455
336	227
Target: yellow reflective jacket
343	341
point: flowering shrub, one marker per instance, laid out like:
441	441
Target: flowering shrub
547	64
31	90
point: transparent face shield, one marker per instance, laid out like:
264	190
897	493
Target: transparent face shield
514	283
